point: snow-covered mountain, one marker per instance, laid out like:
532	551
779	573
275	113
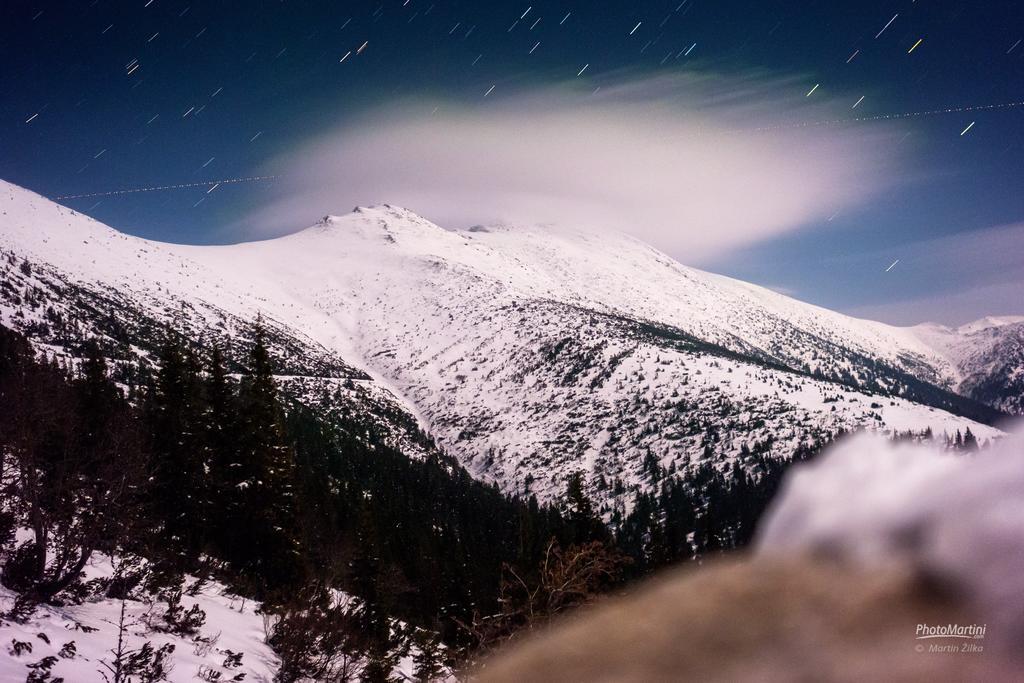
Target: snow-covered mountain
526	352
988	355
64	277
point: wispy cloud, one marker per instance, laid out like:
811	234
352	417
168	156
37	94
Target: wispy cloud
969	275
676	161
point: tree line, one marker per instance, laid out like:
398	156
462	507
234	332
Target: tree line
220	475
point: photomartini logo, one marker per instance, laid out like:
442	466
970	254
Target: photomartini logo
950	638
972	632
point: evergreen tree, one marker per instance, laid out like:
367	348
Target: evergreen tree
970	442
106	443
264	481
98	398
72	467
221	454
372	617
277	492
179	493
583	523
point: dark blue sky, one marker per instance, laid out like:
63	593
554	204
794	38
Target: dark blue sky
81	84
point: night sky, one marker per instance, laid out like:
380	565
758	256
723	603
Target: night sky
100	96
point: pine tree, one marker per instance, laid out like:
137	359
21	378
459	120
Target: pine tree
428	661
221	455
583	523
66	446
265	480
180	484
106	445
970	441
98	396
372	616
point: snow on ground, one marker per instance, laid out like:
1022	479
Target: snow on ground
988	355
527	351
373	250
81	637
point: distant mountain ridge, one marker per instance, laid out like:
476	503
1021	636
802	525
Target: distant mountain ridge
988	355
526	352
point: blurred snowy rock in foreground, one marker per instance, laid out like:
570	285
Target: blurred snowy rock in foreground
957	519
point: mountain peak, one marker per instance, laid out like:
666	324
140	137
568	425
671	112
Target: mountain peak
386	211
377	222
988	322
389	211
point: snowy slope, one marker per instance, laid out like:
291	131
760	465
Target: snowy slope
529	352
65	277
988	355
532	352
77	640
81	638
